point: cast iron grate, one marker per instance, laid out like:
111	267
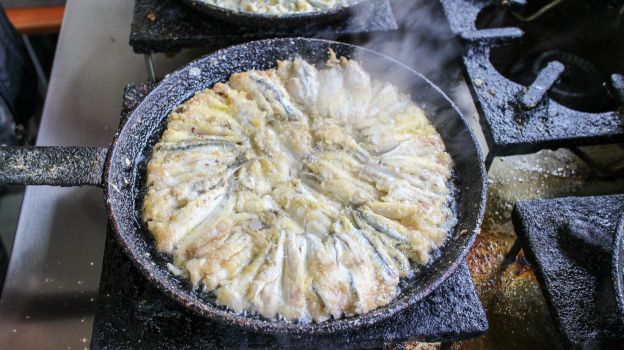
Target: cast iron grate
169	26
568	241
519	119
131	312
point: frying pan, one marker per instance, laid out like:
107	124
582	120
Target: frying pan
281	21
618	266
120	170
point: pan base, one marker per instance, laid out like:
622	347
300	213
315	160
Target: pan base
128	302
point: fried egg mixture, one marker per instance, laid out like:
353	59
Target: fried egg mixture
279	7
299	193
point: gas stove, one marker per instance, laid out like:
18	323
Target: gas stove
525	103
544	74
548	75
521	308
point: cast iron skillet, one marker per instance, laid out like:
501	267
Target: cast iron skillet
618	266
123	167
267	20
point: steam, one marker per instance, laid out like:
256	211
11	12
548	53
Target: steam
425	43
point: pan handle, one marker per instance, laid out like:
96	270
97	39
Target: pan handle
52	165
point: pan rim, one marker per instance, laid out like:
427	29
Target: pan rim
215	313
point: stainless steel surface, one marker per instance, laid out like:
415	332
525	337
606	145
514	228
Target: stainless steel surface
149	66
52	281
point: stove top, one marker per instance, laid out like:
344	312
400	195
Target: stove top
552	97
547	74
169	25
569	242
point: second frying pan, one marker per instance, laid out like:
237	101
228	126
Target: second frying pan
123	167
276	21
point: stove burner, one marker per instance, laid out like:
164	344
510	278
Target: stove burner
580	86
550	78
584	36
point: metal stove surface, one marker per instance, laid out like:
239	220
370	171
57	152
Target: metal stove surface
564	239
131	311
508	286
519	119
166	26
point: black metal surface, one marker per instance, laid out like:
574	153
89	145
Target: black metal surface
166	26
268	20
131	314
59	166
544	81
576	279
491	36
588	235
513	120
617	262
131	147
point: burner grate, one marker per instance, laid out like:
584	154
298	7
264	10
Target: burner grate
130	310
520	119
568	241
169	26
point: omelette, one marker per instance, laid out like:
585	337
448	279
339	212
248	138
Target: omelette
299	193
